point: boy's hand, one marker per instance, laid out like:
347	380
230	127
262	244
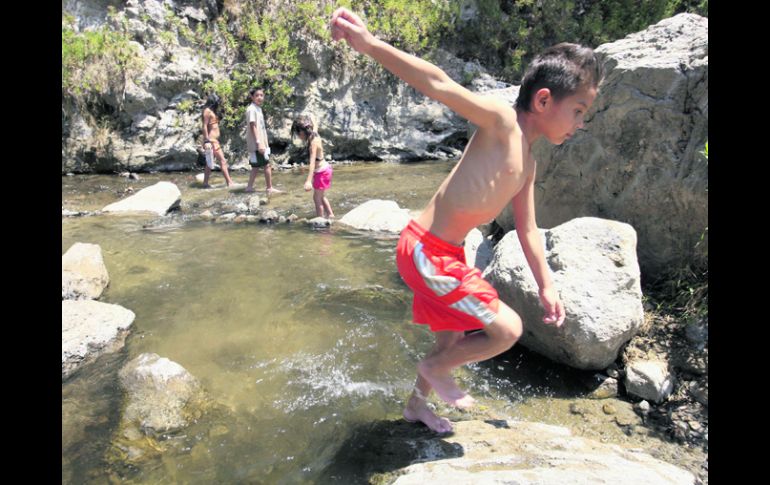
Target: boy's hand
349	26
308	187
554	310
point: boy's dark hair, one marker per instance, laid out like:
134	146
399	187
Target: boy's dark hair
255	89
563	69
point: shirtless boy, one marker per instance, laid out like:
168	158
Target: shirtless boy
495	169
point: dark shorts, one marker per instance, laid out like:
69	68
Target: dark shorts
257	160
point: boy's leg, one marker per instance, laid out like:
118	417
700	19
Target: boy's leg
268	178
417	407
269	181
252	177
497	337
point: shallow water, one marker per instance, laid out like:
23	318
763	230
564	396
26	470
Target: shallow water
301	336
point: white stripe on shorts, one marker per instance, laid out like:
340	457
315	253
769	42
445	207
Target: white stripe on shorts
442	285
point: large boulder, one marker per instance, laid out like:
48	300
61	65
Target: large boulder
478	249
377	215
83	273
594	268
90	329
158	198
638	159
162	395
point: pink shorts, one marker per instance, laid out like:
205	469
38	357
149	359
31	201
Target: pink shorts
323	180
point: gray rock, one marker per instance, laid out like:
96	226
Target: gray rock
268	216
292	218
196	14
241	207
229	217
593	266
158	198
319	222
643	407
160	393
377	215
484	452
649	380
207	215
254	203
90	329
478	249
145	122
83	273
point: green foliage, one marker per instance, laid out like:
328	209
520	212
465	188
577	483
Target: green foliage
186	106
95	62
705	151
505	36
412	25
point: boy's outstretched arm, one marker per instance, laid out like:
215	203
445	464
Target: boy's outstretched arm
482	111
526	228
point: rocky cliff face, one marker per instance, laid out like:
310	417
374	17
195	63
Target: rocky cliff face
362	112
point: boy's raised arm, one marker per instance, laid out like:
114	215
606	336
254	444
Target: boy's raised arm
482	111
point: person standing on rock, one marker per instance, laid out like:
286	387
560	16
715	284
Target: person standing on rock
211	146
256	141
319	177
496	169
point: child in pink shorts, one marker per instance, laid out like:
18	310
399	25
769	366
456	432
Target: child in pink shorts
320	171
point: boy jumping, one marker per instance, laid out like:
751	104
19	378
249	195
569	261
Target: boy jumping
495	169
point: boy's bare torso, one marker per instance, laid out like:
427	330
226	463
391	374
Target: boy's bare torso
493	169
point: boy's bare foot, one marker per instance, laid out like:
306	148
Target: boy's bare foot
272	190
445	387
418	410
248	190
206	186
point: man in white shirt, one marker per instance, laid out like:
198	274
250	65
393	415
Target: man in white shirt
256	141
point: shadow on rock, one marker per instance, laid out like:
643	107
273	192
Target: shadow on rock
380	448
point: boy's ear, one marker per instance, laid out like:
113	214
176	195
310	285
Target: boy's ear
541	100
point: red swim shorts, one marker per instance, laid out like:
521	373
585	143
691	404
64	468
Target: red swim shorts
448	294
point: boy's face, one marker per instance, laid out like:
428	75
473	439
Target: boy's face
258	97
566	116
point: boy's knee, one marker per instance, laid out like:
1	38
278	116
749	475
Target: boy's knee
511	326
